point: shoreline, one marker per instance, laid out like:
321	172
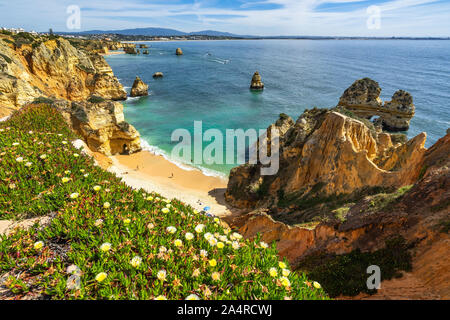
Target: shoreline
154	173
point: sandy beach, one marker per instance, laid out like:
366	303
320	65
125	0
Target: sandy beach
154	173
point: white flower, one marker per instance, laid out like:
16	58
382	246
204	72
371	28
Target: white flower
192	297
73	269
204	253
199	228
162	249
19	159
208	236
161	275
212	242
38	245
97	188
15	144
105	247
98	222
236	236
263	245
285	282
165	210
106	205
273	272
171	229
160	298
73	282
43	156
74	195
136	261
235	245
189	236
28	164
285	272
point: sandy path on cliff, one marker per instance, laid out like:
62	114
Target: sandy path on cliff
154	173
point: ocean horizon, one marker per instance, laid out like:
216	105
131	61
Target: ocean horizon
210	83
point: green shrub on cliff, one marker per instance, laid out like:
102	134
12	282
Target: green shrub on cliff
108	241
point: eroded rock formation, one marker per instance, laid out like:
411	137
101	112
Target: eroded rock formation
327	154
158	75
101	125
52	68
139	88
256	83
179	52
363	99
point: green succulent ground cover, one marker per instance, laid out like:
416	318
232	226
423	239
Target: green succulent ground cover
108	241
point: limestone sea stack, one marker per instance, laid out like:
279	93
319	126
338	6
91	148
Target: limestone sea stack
363	99
158	75
139	88
257	84
179	52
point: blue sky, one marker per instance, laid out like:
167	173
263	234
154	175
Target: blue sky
255	17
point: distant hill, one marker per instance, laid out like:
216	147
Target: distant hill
154	32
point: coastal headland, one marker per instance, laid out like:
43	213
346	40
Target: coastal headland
348	195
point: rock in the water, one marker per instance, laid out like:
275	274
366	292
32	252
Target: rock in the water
179	52
130	50
145	52
158	75
101	125
139	88
256	84
143	46
363	99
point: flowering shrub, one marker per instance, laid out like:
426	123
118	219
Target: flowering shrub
108	241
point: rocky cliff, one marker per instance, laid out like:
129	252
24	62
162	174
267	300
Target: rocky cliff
52	68
328	154
75	79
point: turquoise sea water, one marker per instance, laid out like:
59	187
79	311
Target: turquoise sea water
210	83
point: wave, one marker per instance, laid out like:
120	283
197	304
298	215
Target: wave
188	167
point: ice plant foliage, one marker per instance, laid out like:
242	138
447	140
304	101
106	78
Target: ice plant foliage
108	241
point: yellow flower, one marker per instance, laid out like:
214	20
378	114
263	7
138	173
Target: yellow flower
82	170
192	297
220	245
149	198
105	247
161	275
285	282
101	276
76	155
216	220
168	205
126	221
106	205
263	245
74	195
282	265
136	261
213	262
215	276
43	156
38	245
273	272
65	180
189	236
160	298
165	210
28	164
178	243
97	188
195	212
285	272
317	285
67	172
